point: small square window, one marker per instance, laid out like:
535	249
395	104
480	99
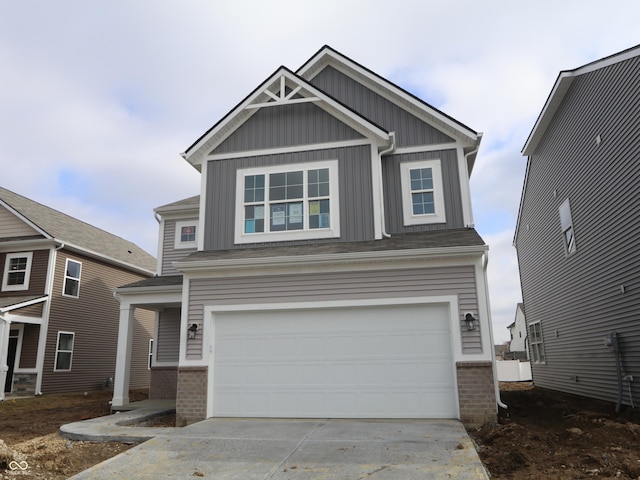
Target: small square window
186	234
17	271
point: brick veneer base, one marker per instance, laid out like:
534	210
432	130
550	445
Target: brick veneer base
191	395
476	393
163	383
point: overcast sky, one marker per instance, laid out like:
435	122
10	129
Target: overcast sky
99	98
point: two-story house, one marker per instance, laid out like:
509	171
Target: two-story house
329	267
578	232
58	315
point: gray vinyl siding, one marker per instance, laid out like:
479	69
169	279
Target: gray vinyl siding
394	217
286	126
356	197
171	254
168	340
94	318
11	226
410	131
578	298
459	280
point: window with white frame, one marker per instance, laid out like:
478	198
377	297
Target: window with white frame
72	273
287	202
536	345
64	351
150	364
186	234
422	193
17	271
566	224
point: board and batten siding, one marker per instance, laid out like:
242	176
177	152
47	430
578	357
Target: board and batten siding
168	339
425	282
356	197
410	130
286	126
93	317
12	227
394	216
581	298
170	253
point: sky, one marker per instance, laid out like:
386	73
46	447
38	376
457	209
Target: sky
99	98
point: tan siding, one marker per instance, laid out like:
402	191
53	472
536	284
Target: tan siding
459	281
169	252
94	318
38	278
30	311
12	226
29	346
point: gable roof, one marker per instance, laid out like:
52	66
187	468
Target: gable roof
76	234
560	88
282	87
327	56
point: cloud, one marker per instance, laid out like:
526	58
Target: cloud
99	98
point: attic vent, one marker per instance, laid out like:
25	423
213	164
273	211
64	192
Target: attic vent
129	251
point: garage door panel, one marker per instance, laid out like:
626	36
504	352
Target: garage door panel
388	361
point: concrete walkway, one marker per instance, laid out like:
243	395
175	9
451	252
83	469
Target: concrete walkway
278	449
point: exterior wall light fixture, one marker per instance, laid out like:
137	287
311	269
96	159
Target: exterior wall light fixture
470	320
192	331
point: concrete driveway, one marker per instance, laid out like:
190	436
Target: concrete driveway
247	449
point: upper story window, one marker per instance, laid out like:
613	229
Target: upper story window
287	202
186	234
72	273
422	194
17	271
566	224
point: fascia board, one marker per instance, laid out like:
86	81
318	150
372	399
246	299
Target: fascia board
241	114
25	219
327	56
24	304
330	259
24	244
562	84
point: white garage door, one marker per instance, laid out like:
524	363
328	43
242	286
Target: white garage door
363	362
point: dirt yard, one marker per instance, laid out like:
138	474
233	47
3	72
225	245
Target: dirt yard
549	435
543	435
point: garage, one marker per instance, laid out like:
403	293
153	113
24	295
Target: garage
376	361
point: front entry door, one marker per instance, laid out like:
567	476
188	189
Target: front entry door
11	358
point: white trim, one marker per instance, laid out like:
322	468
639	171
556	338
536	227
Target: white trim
296	148
240	237
428	148
28	303
73	344
465	188
65	278
161	227
204	174
438	195
210	311
44	328
178	244
27	272
25	219
376	190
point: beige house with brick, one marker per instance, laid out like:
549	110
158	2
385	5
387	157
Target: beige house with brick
329	266
58	316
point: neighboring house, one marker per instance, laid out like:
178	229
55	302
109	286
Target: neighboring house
330	267
578	232
58	315
518	330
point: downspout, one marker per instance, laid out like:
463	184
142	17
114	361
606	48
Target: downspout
485	263
392	147
4	342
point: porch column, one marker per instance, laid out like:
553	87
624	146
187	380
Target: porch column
5	325
123	356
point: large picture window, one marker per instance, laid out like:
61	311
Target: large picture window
17	271
64	351
288	202
422	194
72	273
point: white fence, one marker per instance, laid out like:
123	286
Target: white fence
513	371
